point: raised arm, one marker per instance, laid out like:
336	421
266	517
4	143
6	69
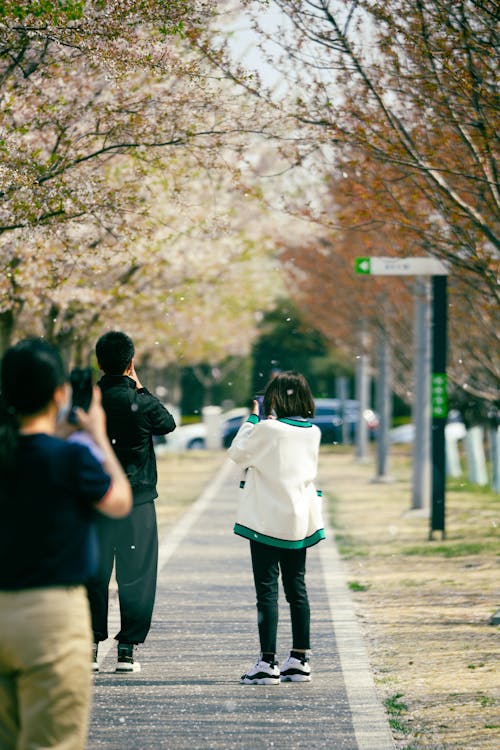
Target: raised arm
118	500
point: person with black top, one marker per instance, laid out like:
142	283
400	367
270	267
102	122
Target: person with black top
50	490
133	416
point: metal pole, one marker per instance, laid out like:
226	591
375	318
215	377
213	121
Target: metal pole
383	404
341	392
439	402
363	396
421	411
494	442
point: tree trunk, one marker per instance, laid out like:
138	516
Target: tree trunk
6	329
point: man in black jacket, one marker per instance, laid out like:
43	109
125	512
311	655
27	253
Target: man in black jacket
133	416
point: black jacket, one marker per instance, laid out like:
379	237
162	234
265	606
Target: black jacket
133	416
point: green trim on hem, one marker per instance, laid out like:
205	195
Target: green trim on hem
275	542
253	418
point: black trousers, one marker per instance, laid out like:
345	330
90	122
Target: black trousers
131	544
267	562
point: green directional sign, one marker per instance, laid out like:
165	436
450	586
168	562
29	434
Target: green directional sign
362	265
387	266
439	395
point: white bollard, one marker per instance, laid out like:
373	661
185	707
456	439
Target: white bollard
453	468
213	421
476	459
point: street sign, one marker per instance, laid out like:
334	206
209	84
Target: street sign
427	266
400	266
439	395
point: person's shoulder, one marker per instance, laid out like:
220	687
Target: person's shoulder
270	425
306	428
286	422
54	448
77	450
116	391
47	443
81	459
115	384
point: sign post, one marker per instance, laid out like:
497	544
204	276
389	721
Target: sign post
439	402
387	266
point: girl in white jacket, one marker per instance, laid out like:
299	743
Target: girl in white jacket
279	511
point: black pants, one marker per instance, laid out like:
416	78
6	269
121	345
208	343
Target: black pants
266	563
132	544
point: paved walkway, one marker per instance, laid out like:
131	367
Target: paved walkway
204	636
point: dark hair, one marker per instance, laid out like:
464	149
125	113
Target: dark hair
31	372
289	395
114	352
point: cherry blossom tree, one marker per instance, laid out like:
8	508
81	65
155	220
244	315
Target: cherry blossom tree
402	98
118	138
413	85
187	284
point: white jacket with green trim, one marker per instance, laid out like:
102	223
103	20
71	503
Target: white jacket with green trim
278	502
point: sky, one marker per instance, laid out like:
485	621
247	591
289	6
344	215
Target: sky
243	41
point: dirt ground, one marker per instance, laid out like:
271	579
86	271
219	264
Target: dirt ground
425	606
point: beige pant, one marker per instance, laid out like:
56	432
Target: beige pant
45	675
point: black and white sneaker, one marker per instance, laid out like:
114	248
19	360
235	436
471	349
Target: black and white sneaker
126	662
263	673
95	663
296	670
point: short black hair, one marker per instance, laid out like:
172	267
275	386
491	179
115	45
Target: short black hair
114	351
30	373
289	395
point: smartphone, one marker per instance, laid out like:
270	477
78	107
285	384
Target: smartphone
260	401
80	379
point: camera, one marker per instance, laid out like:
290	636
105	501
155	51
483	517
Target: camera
80	379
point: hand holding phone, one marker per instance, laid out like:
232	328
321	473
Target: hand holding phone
260	401
81	389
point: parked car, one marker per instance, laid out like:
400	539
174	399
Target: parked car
331	413
193	436
403	433
230	427
329	417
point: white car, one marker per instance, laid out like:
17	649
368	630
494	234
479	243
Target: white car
404	433
193	436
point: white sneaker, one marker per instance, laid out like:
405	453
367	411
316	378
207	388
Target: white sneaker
262	673
296	670
126	662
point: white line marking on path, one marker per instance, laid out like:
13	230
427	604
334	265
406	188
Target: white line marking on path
370	723
177	533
